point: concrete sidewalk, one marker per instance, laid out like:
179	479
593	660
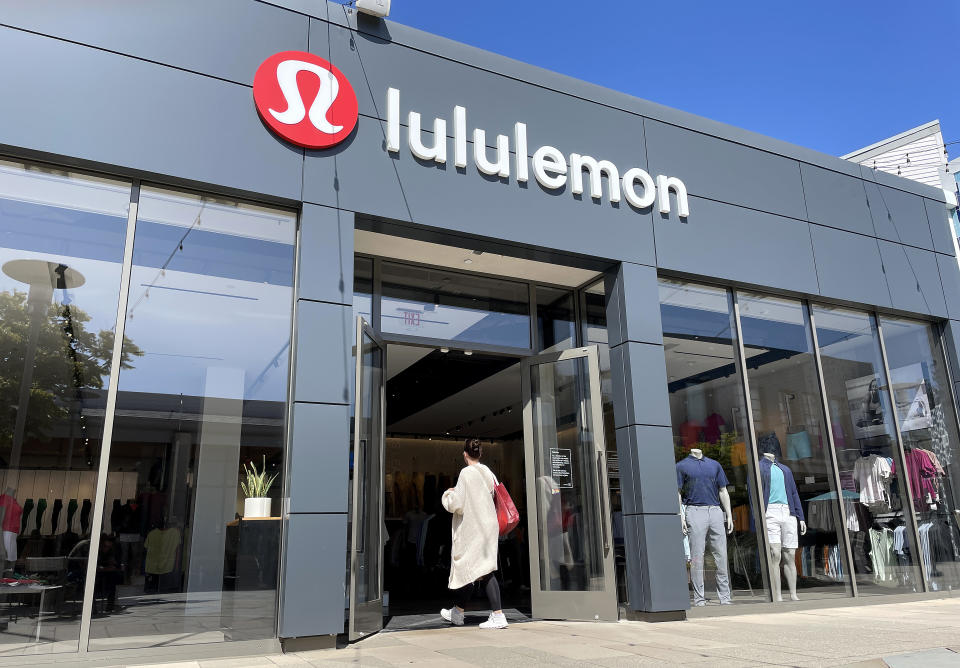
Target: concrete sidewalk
903	635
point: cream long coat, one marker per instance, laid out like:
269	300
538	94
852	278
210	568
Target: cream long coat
476	529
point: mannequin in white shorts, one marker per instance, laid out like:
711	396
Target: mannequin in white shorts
783	539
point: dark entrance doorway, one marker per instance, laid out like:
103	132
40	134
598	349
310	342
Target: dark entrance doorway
436	398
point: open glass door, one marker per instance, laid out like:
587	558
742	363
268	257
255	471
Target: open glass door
366	465
571	548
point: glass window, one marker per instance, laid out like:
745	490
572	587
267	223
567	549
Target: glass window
61	250
363	289
865	438
556	319
201	403
928	428
438	304
798	487
715	466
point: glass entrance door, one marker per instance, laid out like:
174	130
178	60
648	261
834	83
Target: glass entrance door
571	546
366	466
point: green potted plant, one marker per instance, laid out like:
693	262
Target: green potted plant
255	489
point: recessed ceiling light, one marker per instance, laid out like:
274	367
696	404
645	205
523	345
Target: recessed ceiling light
467	352
468	261
444	350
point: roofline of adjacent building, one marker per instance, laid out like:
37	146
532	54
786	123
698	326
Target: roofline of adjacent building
891	143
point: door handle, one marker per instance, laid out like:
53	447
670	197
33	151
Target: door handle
602	499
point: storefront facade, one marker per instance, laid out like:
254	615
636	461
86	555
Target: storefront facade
183	270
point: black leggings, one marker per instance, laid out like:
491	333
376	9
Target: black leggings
463	595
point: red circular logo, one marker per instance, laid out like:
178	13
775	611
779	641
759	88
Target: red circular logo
305	99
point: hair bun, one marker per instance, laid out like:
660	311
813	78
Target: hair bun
472	447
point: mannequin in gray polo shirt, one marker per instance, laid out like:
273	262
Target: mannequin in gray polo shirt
703	494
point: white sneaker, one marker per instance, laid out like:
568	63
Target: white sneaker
497	620
453	615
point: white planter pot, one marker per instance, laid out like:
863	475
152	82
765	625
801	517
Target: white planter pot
258	507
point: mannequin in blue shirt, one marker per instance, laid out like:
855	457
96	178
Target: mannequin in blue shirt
781	489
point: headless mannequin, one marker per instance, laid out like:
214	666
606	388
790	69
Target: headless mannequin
784	557
724	501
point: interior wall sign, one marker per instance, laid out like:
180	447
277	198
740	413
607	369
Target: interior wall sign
284	84
551	168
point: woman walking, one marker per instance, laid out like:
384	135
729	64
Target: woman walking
476	531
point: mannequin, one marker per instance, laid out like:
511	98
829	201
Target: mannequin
782	512
706	502
10	512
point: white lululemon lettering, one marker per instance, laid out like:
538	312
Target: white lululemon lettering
438	151
664	185
596	168
551	167
630	180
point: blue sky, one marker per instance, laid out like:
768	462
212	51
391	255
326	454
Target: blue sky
830	75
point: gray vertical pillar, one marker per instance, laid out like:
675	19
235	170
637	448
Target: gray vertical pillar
656	567
216	495
951	343
315	516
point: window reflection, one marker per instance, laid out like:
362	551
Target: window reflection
61	248
798	490
419	301
714	458
865	438
556	319
186	555
928	428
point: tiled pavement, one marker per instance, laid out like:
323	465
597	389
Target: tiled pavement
904	635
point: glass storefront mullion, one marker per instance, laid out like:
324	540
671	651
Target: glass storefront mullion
901	455
113	386
754	491
845	536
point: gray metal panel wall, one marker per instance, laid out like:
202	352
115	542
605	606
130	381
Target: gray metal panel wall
737	244
656	575
314	579
137	115
207	34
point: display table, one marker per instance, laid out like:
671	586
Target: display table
42	590
250	570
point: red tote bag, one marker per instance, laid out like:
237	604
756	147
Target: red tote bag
507	514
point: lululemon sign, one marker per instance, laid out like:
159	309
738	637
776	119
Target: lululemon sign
305	99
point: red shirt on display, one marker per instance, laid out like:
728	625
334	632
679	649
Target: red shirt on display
11	519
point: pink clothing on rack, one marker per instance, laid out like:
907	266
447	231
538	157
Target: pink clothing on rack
920	473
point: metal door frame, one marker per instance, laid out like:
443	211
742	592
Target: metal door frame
584	605
375	606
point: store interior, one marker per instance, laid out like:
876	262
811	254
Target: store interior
436	398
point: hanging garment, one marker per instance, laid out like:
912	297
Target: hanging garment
38	518
872	474
12	514
85	516
71	511
798	445
882	555
690	433
711	431
161	546
55	516
25	517
920	473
